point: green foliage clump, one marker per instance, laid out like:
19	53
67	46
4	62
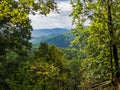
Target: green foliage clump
46	69
99	41
15	33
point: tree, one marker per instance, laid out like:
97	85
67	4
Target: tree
15	33
15	28
101	38
49	53
45	69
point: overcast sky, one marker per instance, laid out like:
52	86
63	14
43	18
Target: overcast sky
54	20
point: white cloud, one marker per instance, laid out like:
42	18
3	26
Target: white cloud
54	19
65	6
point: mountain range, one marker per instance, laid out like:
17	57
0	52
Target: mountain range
46	32
61	37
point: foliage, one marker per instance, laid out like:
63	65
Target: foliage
44	69
96	39
93	60
15	28
15	33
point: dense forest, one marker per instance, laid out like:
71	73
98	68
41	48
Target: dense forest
91	63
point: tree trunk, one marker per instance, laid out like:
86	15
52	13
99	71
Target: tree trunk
113	44
115	54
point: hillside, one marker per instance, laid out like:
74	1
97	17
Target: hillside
60	40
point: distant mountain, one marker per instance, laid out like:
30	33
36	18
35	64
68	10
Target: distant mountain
62	40
45	32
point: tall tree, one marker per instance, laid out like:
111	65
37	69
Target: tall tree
101	38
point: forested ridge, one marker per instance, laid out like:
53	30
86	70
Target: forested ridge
91	62
61	40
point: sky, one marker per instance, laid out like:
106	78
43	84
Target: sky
54	20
